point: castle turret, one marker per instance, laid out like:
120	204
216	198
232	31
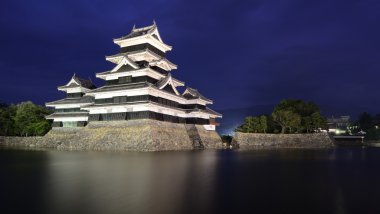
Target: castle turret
67	111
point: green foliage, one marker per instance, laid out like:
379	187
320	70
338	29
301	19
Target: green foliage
254	124
263	123
6	119
308	123
318	121
310	118
299	107
38	128
24	119
289	116
287	120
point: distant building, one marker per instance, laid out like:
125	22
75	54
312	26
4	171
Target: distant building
140	86
339	125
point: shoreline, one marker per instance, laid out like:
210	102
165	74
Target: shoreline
261	140
70	140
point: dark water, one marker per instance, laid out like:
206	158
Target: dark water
343	180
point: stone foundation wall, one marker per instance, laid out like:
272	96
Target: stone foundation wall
132	135
25	142
210	139
255	140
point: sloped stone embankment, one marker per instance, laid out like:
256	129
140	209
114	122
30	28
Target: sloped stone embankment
257	141
133	135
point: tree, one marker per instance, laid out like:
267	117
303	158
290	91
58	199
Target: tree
263	123
365	121
318	121
39	128
30	119
294	122
308	123
254	125
305	110
286	119
23	119
289	115
6	119
299	107
376	120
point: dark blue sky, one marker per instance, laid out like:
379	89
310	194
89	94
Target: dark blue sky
238	53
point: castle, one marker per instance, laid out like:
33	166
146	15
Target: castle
140	86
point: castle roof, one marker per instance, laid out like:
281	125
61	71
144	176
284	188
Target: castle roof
194	93
63	115
213	112
167	79
78	82
119	87
79	100
135	32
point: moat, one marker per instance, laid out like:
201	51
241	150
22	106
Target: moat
337	180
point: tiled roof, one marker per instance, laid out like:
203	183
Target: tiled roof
163	81
84	82
79	100
71	114
121	69
126	54
212	111
195	94
135	32
120	87
207	110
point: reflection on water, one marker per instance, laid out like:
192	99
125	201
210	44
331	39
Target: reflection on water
298	181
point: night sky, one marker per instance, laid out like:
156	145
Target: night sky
238	53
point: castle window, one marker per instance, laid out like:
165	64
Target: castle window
126	79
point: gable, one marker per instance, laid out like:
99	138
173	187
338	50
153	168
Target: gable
188	95
155	34
125	62
167	82
169	88
73	82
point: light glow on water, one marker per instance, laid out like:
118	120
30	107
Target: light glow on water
297	180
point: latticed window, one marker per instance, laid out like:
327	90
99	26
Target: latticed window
102	101
57	124
123	99
94	117
126	79
113	116
138	98
138	115
112	82
74	95
59	110
69	124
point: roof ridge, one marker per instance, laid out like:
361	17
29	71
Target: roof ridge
134	29
87	83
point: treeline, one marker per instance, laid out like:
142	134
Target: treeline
367	123
289	116
23	119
